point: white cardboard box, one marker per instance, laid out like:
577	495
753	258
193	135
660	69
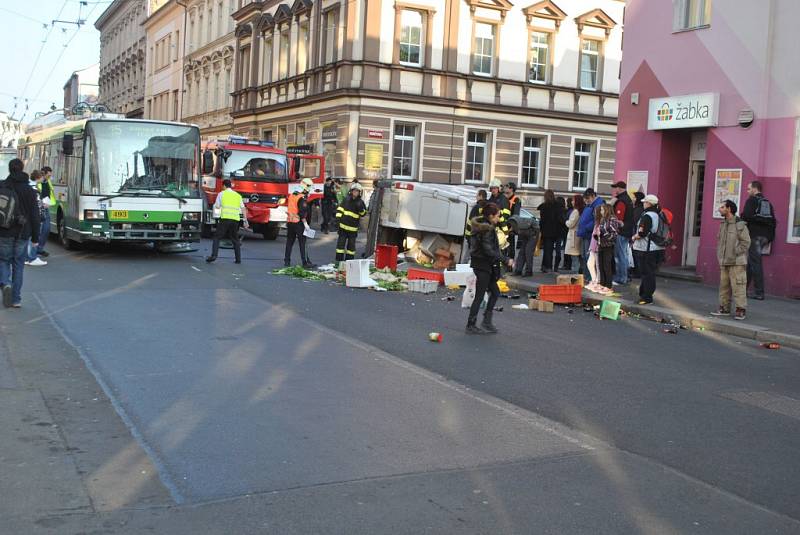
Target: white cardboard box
357	274
459	276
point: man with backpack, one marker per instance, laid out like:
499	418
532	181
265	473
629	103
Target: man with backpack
19	223
760	218
649	243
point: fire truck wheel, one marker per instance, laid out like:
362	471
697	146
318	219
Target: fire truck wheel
270	231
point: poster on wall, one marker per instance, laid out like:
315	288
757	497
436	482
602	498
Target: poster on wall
373	160
727	185
637	181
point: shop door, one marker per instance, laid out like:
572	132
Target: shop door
694	212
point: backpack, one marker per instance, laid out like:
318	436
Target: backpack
662	235
10	208
609	231
765	214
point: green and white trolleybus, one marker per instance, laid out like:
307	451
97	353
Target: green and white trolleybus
119	180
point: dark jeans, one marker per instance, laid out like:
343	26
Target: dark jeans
227	229
584	259
12	265
605	265
328	209
294	231
647	262
523	263
486	281
755	269
44	233
567	258
346	245
550	246
621	260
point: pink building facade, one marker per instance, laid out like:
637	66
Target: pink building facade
710	100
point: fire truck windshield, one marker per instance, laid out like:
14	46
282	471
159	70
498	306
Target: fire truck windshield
257	166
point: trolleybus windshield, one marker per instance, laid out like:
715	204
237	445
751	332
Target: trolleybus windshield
141	159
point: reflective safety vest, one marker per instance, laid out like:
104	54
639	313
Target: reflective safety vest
52	192
293	208
350	212
230	205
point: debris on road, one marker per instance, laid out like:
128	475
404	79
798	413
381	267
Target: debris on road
298	272
435	337
771	345
671	330
521	306
610	310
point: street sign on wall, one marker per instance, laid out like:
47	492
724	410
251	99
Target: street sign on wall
687	111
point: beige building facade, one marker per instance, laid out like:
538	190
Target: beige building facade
208	66
122	56
164	32
443	91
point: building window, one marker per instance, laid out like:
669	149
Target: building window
411	38
266	73
404	148
266	135
330	22
210	36
476	160
532	161
483	49
691	14
794	212
175	114
300	134
583	165
282	137
590	63
244	62
302	47
283	54
539	57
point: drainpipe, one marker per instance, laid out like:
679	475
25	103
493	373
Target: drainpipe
766	85
182	3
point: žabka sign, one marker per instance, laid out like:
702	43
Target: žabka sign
687	111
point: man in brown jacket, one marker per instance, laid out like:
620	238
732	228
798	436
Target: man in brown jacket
733	242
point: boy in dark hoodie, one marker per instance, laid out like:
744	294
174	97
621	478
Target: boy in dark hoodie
14	240
486	261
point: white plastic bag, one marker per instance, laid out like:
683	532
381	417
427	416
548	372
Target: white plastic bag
469	292
630	255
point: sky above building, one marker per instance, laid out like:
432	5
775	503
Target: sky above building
40	55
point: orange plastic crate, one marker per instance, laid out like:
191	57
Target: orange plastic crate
415	273
563	293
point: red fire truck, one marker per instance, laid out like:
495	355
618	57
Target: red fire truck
263	175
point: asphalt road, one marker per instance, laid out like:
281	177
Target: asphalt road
242	383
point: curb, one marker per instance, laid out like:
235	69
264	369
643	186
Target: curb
731	327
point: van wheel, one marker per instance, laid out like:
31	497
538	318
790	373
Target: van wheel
66	243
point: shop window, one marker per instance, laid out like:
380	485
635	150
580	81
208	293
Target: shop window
691	14
477	160
404	152
483	49
533	148
411	45
539	57
583	165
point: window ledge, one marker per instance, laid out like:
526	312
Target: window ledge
693	28
412	65
482	74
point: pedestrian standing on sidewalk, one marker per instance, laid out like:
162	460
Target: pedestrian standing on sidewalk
623	211
573	245
586	227
646	251
23	225
32	259
733	243
231	210
486	261
607	233
328	204
759	215
594	249
638	210
567	207
551	222
48	197
528	231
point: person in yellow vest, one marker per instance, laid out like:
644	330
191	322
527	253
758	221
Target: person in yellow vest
48	196
231	211
297	223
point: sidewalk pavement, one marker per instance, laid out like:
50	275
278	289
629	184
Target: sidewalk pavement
691	304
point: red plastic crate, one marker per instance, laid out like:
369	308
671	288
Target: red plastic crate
426	274
386	256
563	293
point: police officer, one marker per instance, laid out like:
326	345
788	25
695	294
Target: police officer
231	209
297	223
349	215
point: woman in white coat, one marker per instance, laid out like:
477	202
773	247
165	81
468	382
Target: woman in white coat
573	244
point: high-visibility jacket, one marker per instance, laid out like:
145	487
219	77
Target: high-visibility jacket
294	207
230	205
51	192
350	212
477	210
502	203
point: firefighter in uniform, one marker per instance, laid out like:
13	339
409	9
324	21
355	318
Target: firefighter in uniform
514	205
297	223
475	211
348	216
498	198
231	211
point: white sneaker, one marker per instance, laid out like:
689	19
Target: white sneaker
37	262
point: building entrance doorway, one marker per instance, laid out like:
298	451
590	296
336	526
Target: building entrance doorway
694	212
